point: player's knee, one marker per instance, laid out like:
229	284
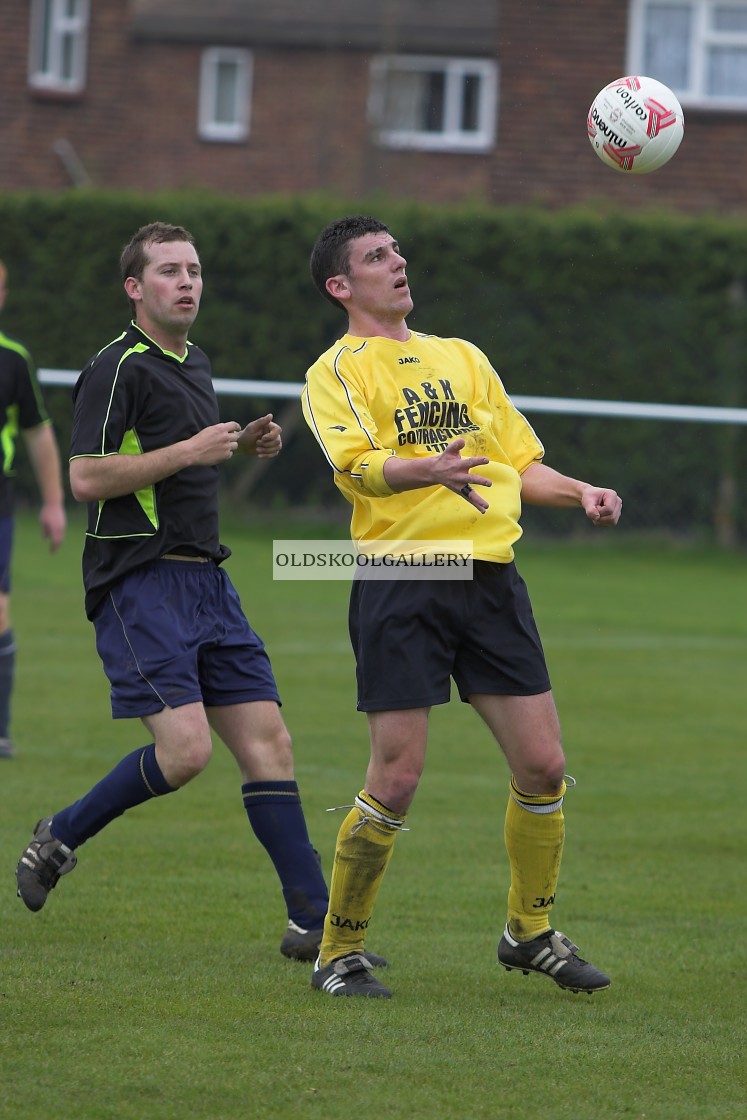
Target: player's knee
553	776
398	788
266	757
280	747
188	761
542	773
407	788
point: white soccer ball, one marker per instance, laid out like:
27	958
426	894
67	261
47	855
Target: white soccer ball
635	124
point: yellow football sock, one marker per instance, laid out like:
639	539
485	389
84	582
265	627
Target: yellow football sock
534	834
364	848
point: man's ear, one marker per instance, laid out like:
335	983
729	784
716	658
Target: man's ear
132	287
337	287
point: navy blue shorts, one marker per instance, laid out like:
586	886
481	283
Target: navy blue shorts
172	633
411	636
6	552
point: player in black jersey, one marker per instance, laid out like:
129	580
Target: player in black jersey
22	411
147	445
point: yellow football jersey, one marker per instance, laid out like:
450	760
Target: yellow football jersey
367	399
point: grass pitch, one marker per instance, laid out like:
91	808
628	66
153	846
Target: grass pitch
151	987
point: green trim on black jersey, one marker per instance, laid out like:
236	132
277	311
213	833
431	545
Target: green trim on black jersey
117	537
171	354
17	347
138	348
113	342
8	436
146	497
12	344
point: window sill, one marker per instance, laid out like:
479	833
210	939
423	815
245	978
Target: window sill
57	95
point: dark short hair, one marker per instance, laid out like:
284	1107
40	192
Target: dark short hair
134	256
331	253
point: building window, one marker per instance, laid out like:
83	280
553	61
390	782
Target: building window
225	94
697	47
437	104
58	44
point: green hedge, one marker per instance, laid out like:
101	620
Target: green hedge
578	303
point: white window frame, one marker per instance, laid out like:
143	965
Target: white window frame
208	127
704	37
453	137
52	26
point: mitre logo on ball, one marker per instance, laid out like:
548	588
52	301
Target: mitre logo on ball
635	124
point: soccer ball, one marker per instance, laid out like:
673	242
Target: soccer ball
635	124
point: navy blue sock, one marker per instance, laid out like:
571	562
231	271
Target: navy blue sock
275	814
7	673
135	779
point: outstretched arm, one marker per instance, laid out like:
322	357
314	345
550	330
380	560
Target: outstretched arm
543	486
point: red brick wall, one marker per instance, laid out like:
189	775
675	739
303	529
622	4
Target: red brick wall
32	121
554	60
308	132
135	125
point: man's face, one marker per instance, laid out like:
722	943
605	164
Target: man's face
376	281
168	296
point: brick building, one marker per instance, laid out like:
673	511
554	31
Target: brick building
419	98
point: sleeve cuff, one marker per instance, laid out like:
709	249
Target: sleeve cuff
372	474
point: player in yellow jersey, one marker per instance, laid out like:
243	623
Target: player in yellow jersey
427	446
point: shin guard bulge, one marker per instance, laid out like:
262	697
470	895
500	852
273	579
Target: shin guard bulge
534	834
364	848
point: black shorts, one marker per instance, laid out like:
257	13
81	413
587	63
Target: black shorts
411	636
